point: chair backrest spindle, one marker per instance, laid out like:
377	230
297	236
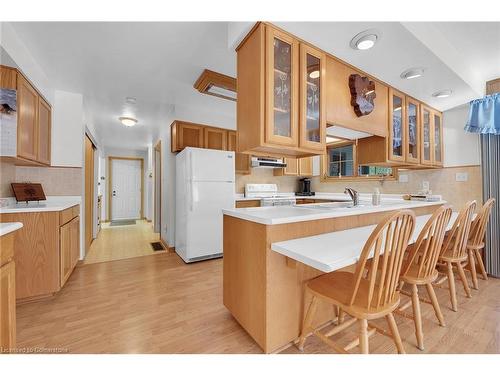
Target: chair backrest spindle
459	234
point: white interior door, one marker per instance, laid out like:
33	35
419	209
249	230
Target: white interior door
126	189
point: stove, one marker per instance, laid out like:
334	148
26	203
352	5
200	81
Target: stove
268	195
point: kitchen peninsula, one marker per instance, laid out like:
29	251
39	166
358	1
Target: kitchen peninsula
263	289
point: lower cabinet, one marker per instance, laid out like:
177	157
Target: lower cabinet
47	250
69	240
7	294
247	203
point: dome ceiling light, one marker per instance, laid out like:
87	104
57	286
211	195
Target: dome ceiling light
128	121
412	73
365	39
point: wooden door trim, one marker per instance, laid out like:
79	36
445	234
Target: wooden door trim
110	182
89	174
158	148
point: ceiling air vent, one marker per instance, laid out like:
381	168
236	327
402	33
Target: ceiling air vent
216	84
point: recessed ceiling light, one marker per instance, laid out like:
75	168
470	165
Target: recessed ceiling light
130	100
365	39
128	121
314	74
442	94
412	73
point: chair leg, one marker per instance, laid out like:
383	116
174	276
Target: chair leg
341	316
435	304
473	272
363	336
481	264
395	333
417	317
306	325
451	284
465	283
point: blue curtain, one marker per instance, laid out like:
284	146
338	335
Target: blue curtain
484	115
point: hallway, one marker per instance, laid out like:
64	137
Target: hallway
115	242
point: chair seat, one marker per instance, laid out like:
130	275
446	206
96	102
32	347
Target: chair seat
336	287
447	256
411	276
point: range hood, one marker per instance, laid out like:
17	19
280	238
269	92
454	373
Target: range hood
267	162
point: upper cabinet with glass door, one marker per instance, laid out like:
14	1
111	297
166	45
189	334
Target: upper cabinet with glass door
312	99
412	129
425	145
280	109
397	133
437	142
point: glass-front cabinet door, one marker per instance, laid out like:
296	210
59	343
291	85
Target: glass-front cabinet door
412	125
426	144
438	139
397	133
312	123
282	58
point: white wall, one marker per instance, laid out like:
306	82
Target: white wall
67	129
460	148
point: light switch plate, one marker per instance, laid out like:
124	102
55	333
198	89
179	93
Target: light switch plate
403	178
461	176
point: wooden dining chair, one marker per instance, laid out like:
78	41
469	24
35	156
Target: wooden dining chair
476	242
365	297
454	252
419	268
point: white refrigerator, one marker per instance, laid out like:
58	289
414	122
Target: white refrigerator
204	186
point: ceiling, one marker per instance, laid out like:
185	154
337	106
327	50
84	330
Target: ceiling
157	63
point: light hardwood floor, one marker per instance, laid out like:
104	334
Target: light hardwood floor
122	242
158	304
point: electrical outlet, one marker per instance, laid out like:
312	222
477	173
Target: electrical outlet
461	177
425	185
403	178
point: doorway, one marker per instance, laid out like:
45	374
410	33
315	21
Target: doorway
126	188
157	188
89	191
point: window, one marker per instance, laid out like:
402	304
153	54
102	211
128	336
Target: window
340	162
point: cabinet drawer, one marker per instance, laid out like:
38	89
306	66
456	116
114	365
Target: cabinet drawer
244	204
68	214
6	248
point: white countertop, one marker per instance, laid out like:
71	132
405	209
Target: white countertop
292	214
6	228
335	250
53	203
318	196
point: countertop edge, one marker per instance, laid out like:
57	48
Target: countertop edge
6	228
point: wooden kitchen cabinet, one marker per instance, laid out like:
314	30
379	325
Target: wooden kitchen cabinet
248	203
291	169
437	139
339	110
242	161
215	138
412	126
272	113
33	133
70	248
47	250
186	134
7	293
306	167
397	133
431	147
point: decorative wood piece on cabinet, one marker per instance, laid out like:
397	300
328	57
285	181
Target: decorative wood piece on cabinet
412	128
44	132
268	105
27	128
291	169
397	134
215	139
338	101
186	134
242	161
362	94
312	126
210	83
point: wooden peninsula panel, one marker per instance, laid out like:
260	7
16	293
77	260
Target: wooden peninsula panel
263	289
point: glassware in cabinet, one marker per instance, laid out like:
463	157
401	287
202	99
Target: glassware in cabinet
397	138
412	131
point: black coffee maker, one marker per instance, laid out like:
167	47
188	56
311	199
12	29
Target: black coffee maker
305	188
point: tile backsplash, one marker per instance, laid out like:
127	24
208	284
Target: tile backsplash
55	181
441	181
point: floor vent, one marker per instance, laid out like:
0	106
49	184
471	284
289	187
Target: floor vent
115	223
157	246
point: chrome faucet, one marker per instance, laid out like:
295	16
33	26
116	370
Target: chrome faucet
353	194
